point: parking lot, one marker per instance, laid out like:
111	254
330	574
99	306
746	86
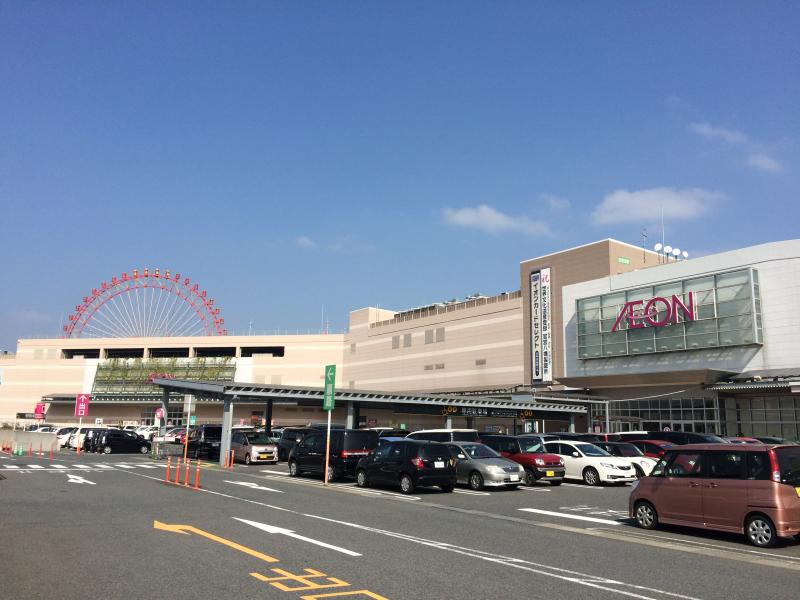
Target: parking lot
93	522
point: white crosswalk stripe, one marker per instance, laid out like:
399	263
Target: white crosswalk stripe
11	466
60	467
34	467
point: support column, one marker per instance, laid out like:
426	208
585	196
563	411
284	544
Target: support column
268	417
572	422
227	424
448	422
352	418
470	422
162	423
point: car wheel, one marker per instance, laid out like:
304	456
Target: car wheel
639	471
530	479
760	531
447	488
144	449
406	484
247	459
645	515
293	471
107	450
475	481
591	476
333	475
361	478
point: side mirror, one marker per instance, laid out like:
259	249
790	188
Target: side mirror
576	455
461	457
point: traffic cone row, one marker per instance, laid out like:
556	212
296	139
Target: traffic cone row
176	480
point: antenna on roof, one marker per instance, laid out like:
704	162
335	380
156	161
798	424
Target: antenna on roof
644	243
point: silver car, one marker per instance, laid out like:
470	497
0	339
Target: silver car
253	446
479	466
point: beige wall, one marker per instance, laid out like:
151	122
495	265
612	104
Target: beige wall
575	265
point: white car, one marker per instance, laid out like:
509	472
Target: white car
63	434
641	464
590	464
147	431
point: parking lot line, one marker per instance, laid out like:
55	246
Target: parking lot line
585	487
553	513
535	489
34	467
472	493
11	466
274	472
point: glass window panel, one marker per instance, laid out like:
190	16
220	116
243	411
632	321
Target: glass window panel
704	340
703	297
787	403
790	431
668	344
774	429
589	340
705	311
736	338
641	346
588	315
613	299
614	338
757	403
614	349
754	274
772	403
735	278
590	352
772	415
736	292
587	303
706	326
697	285
674	330
644	293
665	290
733	308
735	323
591	327
611	312
608	324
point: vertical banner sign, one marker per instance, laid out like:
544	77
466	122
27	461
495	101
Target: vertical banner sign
82	405
39	412
536	334
330	381
541	330
546	326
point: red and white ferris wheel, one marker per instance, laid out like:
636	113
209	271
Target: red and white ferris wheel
145	304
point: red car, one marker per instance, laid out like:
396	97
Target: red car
539	464
742	440
652	448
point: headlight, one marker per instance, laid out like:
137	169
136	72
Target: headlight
539	462
608	465
495	469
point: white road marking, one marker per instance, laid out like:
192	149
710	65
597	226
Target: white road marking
585	487
11	466
34	467
553	513
535	489
274	472
623	588
253	486
60	467
78	479
148	467
292	534
472	492
124	466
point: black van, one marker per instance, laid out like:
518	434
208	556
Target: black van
290	436
348	446
205	440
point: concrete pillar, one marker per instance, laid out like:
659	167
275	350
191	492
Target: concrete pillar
572	422
268	417
352	416
470	422
448	422
227	424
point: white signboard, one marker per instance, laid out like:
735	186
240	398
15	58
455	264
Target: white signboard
541	327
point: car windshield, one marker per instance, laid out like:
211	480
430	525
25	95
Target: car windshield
789	464
260	438
592	450
629	450
479	451
360	440
531	445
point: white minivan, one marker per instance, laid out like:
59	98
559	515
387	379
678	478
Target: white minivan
590	464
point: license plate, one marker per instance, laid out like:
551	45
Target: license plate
549	473
263	456
439	464
515	478
797	489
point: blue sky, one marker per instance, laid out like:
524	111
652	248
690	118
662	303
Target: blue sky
288	155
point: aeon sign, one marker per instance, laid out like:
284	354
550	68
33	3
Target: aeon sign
639	313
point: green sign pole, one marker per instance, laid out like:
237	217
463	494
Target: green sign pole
327	404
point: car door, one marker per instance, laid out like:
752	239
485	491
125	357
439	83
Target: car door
678	495
237	445
463	462
376	462
725	488
392	465
572	464
303	451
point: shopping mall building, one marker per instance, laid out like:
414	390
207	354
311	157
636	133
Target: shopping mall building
604	335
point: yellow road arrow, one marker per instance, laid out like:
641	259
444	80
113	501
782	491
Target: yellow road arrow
187	529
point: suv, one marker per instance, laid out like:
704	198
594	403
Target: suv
409	464
539	464
290	436
445	435
204	440
114	440
747	488
348	446
684	437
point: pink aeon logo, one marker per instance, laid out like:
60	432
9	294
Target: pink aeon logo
641	315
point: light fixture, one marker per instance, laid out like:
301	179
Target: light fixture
685	254
658	247
668	249
676	252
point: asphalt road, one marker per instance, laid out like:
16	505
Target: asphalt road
109	527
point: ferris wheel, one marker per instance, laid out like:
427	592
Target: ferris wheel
145	304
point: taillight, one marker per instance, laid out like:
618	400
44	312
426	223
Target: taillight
773	465
417	462
346	453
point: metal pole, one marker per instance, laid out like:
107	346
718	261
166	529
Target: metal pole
608	419
327	447
186	437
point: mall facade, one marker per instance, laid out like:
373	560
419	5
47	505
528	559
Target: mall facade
604	335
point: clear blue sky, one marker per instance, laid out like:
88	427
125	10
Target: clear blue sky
293	154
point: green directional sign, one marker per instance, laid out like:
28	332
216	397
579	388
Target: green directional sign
330	380
192	419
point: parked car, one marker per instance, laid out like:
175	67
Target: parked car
289	439
445	435
347	447
628	436
62	435
131	428
769	439
582	437
173	433
389	432
118	441
204	440
741	440
388	440
92	437
542	437
531	454
652	448
147	431
590	464
640	463
78	437
253	447
478	466
747	489
410	464
685	437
